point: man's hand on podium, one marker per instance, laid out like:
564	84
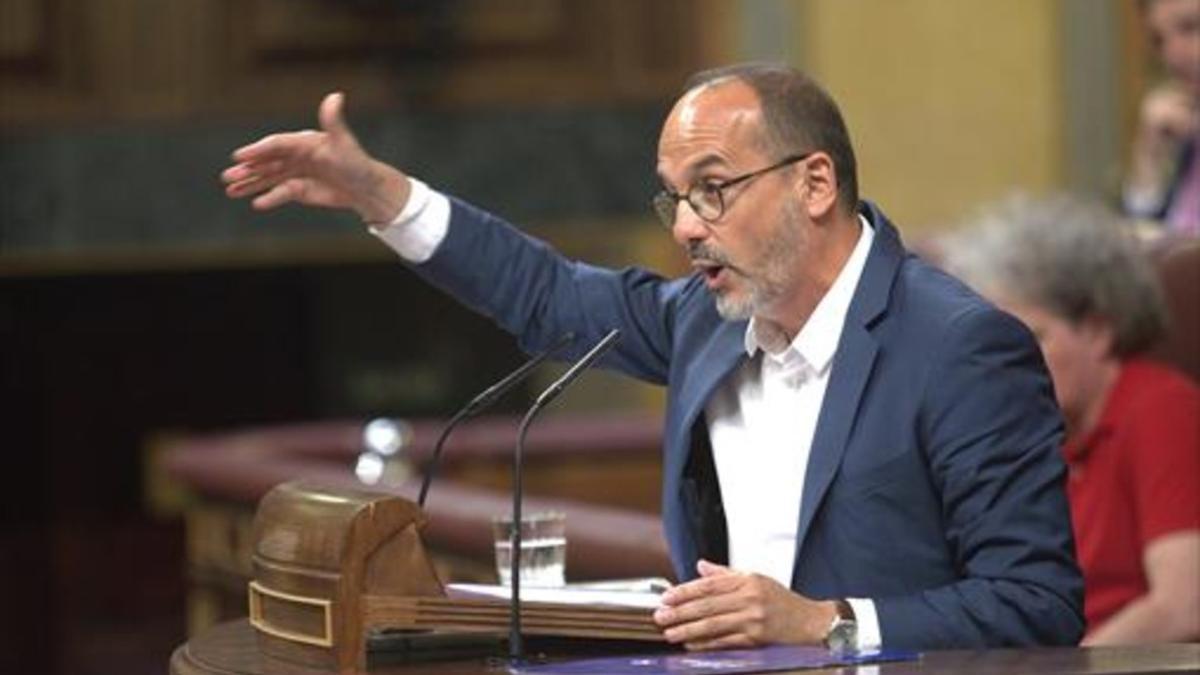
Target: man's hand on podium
725	608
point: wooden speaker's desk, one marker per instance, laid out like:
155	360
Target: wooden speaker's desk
231	649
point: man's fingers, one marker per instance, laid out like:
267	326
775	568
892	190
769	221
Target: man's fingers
694	610
287	191
699	588
711	628
242	173
710	569
236	173
245	180
330	115
258	150
245	188
250	187
282	146
273	170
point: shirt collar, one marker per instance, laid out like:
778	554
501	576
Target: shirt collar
817	340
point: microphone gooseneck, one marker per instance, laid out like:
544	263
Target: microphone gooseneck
516	647
482	402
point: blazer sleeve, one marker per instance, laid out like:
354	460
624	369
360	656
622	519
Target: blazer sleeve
532	291
992	431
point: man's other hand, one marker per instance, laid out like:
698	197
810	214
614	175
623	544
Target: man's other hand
725	609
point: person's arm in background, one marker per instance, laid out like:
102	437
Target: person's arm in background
1168	117
1170	611
1164	449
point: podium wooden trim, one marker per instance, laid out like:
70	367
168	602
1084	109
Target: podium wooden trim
257	590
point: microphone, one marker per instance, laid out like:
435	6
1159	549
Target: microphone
516	649
482	402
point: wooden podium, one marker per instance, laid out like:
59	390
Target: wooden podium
332	567
322	558
233	648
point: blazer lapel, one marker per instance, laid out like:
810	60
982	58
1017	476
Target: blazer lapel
724	351
852	366
851	370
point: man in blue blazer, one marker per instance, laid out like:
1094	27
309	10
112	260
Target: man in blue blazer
858	450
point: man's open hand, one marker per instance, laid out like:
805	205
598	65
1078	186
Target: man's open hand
325	168
727	609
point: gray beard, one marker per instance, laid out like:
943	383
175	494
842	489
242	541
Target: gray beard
777	267
761	294
736	310
733	310
766	290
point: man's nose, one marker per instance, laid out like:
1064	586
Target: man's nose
688	226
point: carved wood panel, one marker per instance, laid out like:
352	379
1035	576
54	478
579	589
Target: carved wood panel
33	73
147	59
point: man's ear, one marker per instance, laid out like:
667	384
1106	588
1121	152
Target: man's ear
817	185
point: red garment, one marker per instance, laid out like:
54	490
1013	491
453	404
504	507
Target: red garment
1135	477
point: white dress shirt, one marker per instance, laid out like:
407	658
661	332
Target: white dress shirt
761	419
761	422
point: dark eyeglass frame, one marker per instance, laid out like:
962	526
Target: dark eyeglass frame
666	202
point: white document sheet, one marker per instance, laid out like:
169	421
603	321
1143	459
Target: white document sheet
581	596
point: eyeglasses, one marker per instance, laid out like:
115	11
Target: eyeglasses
707	199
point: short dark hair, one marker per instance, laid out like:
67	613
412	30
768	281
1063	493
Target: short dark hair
799	116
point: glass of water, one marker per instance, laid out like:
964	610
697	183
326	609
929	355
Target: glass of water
543	548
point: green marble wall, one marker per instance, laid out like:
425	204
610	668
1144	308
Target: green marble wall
119	186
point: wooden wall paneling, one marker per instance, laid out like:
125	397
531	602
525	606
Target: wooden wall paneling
318	29
287	53
147	59
24	34
653	46
464	54
150	58
39	73
105	60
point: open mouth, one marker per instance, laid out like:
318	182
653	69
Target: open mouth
711	271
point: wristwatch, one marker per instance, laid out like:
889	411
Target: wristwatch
843	630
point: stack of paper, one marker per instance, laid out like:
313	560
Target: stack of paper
569	612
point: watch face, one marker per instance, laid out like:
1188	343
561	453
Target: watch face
843	636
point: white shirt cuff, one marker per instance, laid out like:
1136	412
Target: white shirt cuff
867	620
419	228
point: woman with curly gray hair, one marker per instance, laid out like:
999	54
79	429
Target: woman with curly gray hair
1075	276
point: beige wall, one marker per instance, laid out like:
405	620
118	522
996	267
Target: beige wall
949	103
